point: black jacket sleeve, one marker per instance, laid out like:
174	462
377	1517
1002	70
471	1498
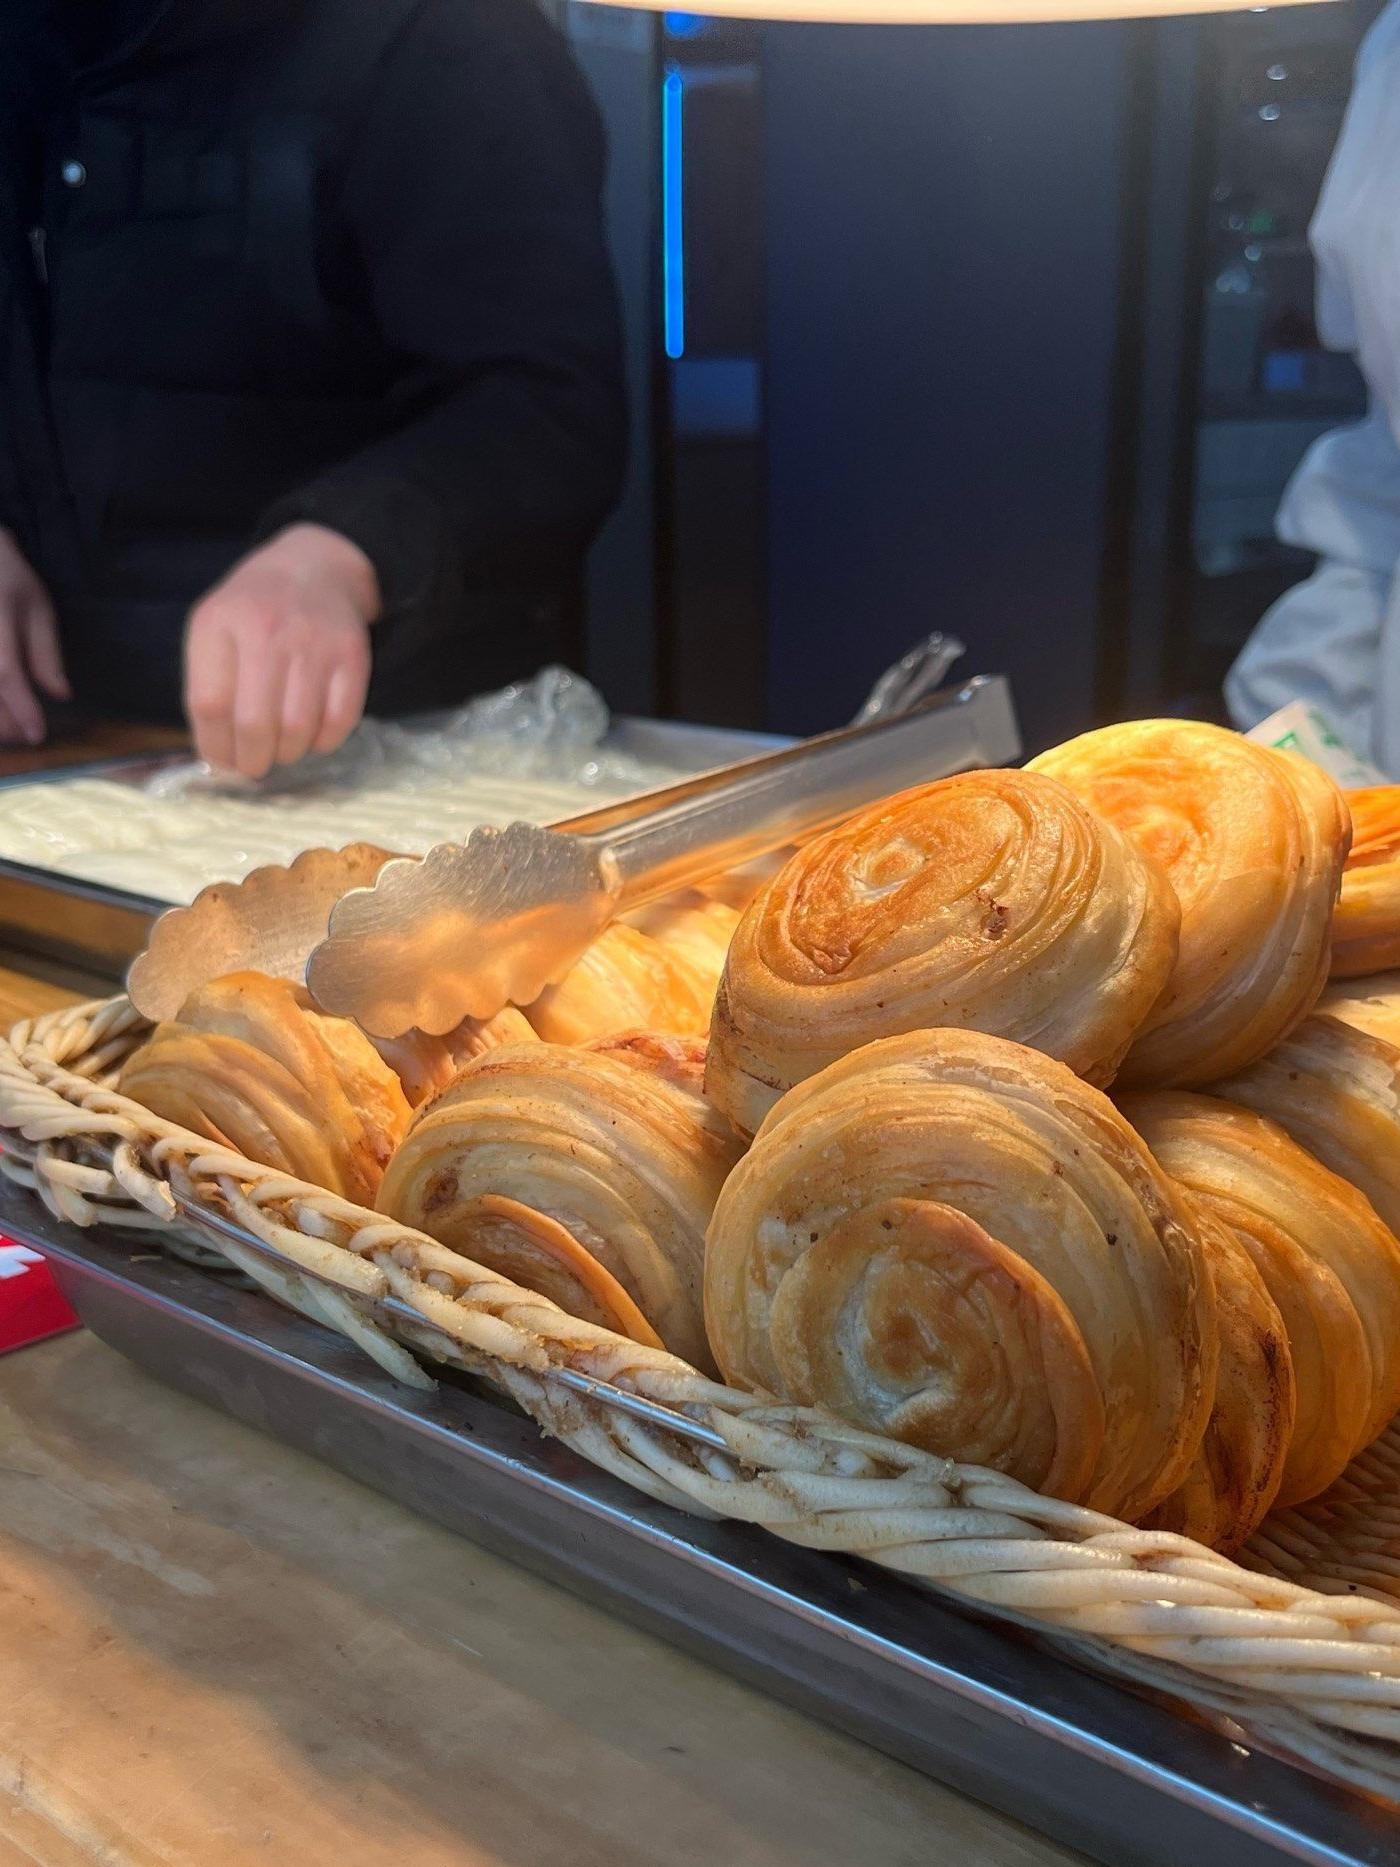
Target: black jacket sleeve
472	202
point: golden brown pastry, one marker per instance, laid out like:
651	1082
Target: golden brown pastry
426	1064
1366	926
586	1174
624	981
1371	1005
1329	1263
695	930
679	1060
991	901
1336	1091
1253	841
1235	1477
251	1063
954	1240
739	886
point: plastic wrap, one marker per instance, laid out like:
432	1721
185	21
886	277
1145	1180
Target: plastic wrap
535	752
548	730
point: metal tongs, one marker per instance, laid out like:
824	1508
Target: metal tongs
471	927
478	925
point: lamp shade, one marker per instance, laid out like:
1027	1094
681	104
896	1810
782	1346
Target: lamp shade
957	12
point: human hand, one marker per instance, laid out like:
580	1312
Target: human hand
30	656
277	656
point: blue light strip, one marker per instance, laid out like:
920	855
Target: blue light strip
673	213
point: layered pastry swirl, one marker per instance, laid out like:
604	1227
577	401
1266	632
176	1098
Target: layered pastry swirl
624	981
992	901
952	1239
1366	928
695	929
586	1174
1330	1265
251	1063
1253	841
1234	1479
1336	1090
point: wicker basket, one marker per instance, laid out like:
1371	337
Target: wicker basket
1297	1647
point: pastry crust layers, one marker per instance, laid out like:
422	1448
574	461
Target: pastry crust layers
1253	841
586	1174
991	901
951	1238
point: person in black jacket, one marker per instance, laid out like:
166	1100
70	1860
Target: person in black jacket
309	359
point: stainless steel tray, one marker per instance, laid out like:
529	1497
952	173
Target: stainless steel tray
101	929
1118	1772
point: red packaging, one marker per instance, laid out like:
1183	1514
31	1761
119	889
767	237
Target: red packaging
30	1305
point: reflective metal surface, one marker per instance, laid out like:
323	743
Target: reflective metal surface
102	929
475	926
986	1708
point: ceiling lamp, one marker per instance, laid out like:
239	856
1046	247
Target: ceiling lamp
956	12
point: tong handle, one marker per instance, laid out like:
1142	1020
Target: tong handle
691	834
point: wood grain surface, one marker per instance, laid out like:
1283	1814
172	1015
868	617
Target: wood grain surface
217	1651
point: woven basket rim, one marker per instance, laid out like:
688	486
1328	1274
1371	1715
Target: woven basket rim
1312	1675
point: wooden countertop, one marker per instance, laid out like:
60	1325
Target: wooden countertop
217	1651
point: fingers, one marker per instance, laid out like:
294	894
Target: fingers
29	650
324	696
11	732
260	689
303	709
346	692
277	657
211	676
21	716
41	647
257	702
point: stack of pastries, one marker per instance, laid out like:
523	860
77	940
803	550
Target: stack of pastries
845	1130
252	1064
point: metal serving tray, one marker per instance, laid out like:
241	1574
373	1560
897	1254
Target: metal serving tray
102	929
1123	1774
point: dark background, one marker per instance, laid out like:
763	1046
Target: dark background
1005	330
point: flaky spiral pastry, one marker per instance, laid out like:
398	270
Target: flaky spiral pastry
1336	1090
624	981
991	901
1366	926
251	1062
1234	1479
952	1239
586	1174
695	931
1330	1264
1253	841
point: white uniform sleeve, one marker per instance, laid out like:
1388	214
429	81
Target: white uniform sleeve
1335	640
